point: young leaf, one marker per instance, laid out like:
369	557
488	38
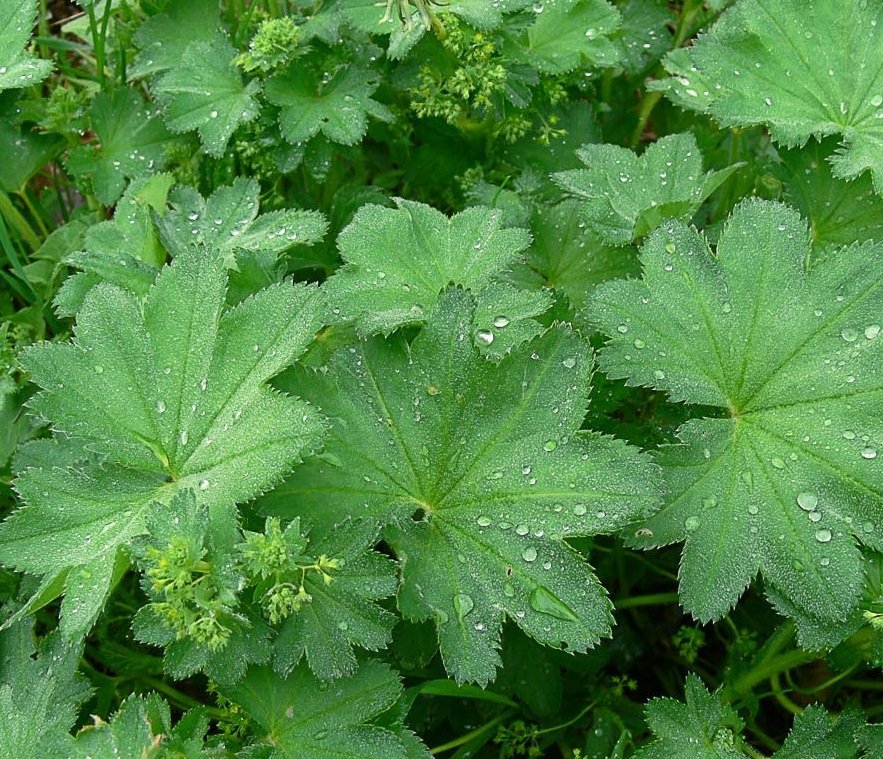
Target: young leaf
704	727
19	68
40	692
572	260
819	735
342	613
205	91
164	38
701	728
338	107
786	477
839	212
124	251
627	196
131	143
567	34
803	69
172	393
490	462
138	729
228	222
398	261
302	718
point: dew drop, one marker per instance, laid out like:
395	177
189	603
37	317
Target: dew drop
640	344
869	453
184	437
849	334
543	601
485	337
807	501
691	523
550	445
160	407
522	529
483	521
569	363
579	509
463	604
529	554
203	484
670	247
500	322
872	331
777	462
823	535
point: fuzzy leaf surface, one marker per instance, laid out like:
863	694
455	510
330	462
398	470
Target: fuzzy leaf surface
205	91
40	692
228	222
626	195
495	480
301	721
131	144
18	68
164	38
567	34
343	614
399	260
171	391
785	478
338	108
702	727
802	68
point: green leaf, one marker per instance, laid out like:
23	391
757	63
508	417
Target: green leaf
802	69
644	35
338	107
205	91
302	718
19	68
495	480
131	144
124	251
839	212
569	258
819	735
228	222
567	34
398	261
164	38
40	692
342	614
701	728
785	477
32	152
137	730
627	196
171	391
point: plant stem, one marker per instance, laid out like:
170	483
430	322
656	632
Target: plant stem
472	734
651	599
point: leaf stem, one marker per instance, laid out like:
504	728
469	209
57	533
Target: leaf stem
650	599
472	734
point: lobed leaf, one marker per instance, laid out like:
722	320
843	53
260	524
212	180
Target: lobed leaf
784	477
171	392
802	68
495	481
